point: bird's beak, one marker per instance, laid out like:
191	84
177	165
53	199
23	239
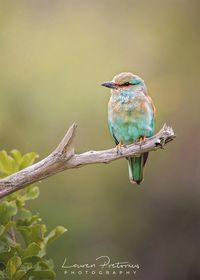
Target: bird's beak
109	85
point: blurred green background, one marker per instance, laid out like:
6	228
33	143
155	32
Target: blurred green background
53	57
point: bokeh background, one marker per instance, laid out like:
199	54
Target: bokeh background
53	57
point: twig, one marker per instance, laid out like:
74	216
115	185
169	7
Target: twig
63	158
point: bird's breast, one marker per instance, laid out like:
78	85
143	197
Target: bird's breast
127	106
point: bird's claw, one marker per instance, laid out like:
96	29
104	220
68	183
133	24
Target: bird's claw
142	140
119	148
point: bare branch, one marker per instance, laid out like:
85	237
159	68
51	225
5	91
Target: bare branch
66	146
63	158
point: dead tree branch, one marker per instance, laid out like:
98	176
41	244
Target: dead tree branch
64	157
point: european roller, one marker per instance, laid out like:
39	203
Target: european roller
131	117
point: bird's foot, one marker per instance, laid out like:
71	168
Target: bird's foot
142	140
119	148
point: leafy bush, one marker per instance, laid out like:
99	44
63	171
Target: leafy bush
23	238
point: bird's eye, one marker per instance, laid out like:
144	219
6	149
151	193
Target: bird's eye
126	84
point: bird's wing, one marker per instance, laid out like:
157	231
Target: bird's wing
112	133
153	107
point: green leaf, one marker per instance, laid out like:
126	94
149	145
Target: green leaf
33	233
4	229
12	266
33	260
27	160
31	193
17	156
33	249
54	234
49	263
28	193
7	210
38	263
12	196
28	222
19	275
25	214
23	271
7	164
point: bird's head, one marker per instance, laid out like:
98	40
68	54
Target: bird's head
125	81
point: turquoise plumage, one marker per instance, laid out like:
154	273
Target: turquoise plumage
131	117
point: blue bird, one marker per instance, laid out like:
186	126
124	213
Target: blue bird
131	117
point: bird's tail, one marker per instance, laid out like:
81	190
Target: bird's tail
136	168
